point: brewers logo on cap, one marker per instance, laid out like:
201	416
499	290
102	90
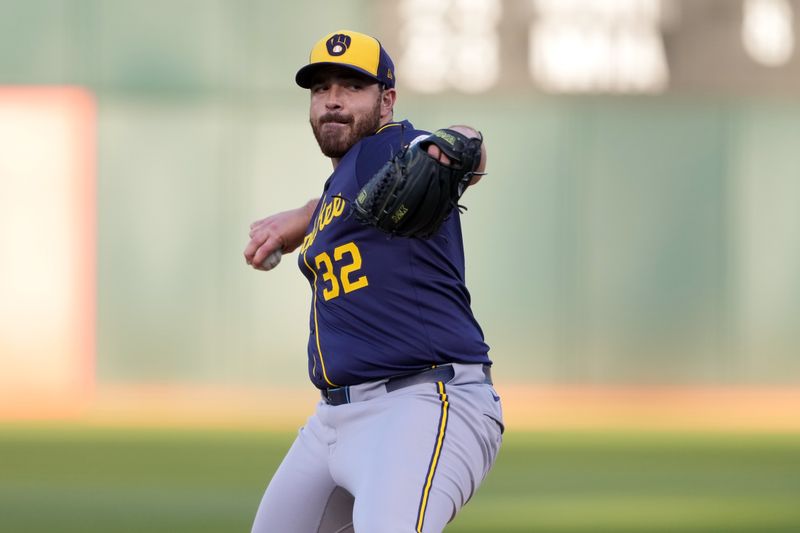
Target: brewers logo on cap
338	44
352	50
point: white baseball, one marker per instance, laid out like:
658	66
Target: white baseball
272	260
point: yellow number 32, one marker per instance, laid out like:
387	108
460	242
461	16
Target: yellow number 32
345	271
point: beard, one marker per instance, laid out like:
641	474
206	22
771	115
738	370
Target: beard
336	143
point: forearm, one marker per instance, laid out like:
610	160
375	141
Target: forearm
293	224
294	237
309	208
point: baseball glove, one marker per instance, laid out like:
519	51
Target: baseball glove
413	193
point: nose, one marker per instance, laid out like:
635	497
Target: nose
334	97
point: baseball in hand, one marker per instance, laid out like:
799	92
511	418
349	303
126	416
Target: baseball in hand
272	260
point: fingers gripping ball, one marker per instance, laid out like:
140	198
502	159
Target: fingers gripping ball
413	193
272	260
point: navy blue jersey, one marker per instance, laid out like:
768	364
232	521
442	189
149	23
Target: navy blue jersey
381	305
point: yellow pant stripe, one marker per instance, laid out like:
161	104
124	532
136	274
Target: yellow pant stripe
437	450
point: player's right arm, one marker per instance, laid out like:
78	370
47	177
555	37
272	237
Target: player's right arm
282	231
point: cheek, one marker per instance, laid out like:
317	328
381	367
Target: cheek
313	110
317	107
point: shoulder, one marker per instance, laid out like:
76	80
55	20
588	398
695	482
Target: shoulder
379	148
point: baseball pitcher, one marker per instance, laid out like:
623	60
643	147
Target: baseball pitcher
408	424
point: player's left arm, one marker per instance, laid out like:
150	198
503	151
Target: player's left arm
470	133
414	192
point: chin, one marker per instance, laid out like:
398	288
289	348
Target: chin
335	152
335	147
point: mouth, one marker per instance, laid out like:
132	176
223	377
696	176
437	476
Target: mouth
333	127
335	120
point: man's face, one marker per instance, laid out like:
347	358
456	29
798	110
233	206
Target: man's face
345	107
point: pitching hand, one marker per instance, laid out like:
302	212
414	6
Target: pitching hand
282	232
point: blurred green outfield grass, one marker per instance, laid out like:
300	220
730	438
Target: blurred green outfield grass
90	479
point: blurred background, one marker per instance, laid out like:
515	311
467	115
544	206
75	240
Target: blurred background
632	257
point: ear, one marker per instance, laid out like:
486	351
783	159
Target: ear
388	98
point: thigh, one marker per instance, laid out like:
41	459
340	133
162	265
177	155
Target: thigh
429	449
472	442
302	497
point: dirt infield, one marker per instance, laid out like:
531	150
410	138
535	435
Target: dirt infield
533	407
526	407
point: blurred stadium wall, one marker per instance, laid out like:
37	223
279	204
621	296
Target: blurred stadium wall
639	226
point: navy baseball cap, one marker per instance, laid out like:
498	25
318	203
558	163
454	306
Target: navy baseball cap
352	50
